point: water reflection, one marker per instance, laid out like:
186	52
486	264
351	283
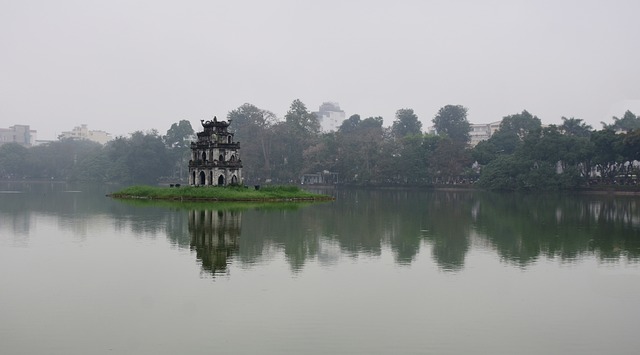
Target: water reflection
214	237
447	225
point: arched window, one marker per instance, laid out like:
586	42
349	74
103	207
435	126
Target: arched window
221	157
229	139
204	156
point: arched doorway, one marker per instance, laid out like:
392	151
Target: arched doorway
234	180
221	180
202	178
211	178
193	178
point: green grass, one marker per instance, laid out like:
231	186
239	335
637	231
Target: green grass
217	193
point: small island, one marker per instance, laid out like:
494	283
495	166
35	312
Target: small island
215	174
227	193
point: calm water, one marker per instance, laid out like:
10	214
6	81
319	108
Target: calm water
374	272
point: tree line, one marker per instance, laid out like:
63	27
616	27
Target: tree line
143	157
522	155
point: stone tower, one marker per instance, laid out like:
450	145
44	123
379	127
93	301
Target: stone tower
215	157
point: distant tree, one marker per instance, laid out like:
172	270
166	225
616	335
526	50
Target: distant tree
406	123
451	160
58	159
451	120
631	145
301	131
298	118
485	151
14	160
628	122
521	124
322	155
142	158
350	124
608	151
179	135
359	144
253	128
575	127
178	141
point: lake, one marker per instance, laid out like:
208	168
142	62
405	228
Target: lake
373	272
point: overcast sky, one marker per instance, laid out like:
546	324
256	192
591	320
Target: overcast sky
122	66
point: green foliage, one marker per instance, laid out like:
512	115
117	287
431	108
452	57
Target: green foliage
13	158
628	122
451	121
520	155
143	157
217	193
521	125
179	135
254	129
575	127
406	124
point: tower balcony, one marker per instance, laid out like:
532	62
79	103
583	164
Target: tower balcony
215	164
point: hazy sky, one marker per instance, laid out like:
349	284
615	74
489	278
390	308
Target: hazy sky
122	66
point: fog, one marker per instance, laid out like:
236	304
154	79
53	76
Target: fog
122	66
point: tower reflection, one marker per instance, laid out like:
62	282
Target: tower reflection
214	238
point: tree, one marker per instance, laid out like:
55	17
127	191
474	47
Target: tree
406	124
451	120
301	131
628	122
298	118
254	129
608	148
179	135
58	159
450	160
178	141
141	158
521	124
13	160
575	127
358	148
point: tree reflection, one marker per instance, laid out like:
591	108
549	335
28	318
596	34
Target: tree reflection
519	228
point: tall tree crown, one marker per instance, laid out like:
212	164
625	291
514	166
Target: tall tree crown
451	120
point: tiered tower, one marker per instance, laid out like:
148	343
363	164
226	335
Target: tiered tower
215	158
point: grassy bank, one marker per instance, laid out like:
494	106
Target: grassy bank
216	193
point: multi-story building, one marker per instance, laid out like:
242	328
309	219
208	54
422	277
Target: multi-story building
21	134
215	157
482	132
82	132
330	116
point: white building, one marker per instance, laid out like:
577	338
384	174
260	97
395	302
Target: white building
82	132
477	132
482	132
21	134
330	116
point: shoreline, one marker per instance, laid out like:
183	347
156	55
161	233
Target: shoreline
218	194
